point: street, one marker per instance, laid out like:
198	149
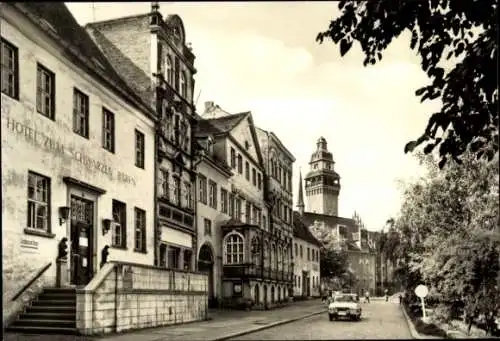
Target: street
380	320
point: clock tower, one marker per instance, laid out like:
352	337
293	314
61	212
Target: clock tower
322	182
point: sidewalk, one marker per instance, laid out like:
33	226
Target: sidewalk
224	324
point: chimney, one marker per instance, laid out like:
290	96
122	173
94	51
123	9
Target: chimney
209	105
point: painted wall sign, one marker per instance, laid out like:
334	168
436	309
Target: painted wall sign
56	147
29	246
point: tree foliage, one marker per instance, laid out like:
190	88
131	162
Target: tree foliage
440	30
333	260
449	231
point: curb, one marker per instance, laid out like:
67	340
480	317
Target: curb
411	326
268	326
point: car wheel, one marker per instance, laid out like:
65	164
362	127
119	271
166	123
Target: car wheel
331	317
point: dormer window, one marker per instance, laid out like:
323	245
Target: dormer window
247	145
169	71
183	85
210	146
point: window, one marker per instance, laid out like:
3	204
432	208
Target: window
80	113
223	200
240	164
119	232
140	230
233	158
296	250
184	88
237	209
176	73
188	200
173	257
212	196
164	184
163	255
187	259
247	170
301	253
234	249
308	254
38	202
202	184
289	187
259	181
45	91
10	70
139	149
207	223
254	177
264	222
108	130
177	190
170	71
231	205
248	212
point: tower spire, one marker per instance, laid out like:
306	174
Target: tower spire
300	202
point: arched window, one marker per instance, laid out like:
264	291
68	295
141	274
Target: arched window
234	250
184	88
169	71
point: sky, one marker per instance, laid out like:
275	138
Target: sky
263	57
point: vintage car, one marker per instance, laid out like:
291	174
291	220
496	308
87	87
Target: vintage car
346	306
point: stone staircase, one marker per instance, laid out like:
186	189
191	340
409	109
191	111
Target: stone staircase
52	312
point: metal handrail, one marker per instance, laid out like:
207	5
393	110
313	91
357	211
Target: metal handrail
27	285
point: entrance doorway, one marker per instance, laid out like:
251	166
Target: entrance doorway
206	265
81	236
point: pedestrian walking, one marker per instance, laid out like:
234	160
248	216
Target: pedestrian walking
400	298
386	293
367	296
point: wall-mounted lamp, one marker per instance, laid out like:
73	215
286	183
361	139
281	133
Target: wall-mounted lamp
63	214
106	225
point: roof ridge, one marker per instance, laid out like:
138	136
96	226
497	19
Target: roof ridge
107	21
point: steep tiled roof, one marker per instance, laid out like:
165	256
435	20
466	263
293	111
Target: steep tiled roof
309	218
206	128
301	230
57	20
226	123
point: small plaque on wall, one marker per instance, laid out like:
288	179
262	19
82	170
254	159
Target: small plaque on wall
29	246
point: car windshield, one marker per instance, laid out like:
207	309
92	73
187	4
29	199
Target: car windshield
344	298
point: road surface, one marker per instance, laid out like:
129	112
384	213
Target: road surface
380	320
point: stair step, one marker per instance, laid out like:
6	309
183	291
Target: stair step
48	302
58	296
59	290
52	309
44	330
45	323
48	315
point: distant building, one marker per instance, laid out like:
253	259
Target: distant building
250	233
322	187
278	164
306	250
212	207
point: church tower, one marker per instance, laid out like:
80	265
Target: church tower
322	182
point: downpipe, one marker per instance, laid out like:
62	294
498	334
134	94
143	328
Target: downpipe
116	299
